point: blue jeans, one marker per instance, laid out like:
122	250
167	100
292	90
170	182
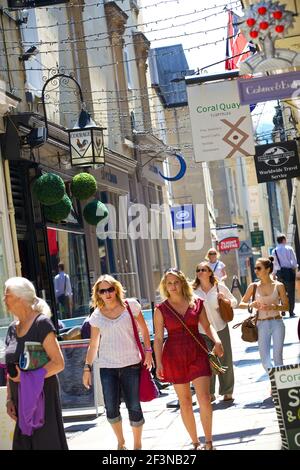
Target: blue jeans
125	380
267	330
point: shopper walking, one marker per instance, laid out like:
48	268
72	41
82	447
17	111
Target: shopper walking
181	360
210	291
285	265
63	292
217	266
270	299
33	397
119	356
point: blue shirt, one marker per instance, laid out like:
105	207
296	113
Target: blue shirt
286	255
59	284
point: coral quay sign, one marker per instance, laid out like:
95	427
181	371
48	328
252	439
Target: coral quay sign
277	161
255	90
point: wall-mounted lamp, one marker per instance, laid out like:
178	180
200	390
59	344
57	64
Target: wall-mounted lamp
31	52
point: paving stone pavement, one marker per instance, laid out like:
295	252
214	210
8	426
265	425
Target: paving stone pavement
248	423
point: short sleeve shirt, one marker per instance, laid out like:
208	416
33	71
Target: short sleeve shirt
217	268
40	328
118	346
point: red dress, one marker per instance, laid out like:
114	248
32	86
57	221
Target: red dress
183	360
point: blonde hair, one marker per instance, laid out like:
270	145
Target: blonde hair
187	290
25	290
212	278
119	289
212	249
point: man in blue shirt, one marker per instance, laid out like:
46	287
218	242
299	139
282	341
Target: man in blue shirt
63	292
285	265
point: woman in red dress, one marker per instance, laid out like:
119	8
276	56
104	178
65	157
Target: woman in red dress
181	360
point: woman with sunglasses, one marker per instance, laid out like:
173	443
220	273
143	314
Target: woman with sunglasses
181	360
207	288
270	299
119	357
217	266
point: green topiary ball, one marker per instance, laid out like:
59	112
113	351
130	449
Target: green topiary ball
60	211
94	212
83	186
49	189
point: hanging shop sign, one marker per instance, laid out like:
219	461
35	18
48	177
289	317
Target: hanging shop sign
17	4
285	381
274	87
228	239
257	238
221	127
263	23
183	217
277	161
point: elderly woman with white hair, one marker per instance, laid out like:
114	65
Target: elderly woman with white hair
45	431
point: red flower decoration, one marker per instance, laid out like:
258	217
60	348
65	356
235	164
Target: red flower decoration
279	28
277	14
251	22
254	34
264	25
262	10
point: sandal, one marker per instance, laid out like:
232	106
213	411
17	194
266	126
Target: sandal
123	447
208	446
196	445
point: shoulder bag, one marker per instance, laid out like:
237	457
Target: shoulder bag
215	364
148	388
249	326
226	311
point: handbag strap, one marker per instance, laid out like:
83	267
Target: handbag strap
135	331
275	251
216	265
177	315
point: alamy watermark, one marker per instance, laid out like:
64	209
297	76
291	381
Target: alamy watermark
136	221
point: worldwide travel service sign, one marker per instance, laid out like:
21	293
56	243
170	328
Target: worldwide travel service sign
221	126
277	161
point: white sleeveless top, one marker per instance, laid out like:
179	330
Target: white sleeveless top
118	346
273	298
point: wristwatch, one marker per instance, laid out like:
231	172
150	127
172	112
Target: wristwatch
88	367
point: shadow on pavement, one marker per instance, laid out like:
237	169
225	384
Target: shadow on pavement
80	427
240	435
265	404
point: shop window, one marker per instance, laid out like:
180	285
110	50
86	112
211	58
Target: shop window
5	318
69	248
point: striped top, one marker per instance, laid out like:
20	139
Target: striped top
118	347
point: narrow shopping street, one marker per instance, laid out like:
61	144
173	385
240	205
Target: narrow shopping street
248	423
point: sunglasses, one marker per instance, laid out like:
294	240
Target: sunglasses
257	268
202	270
170	270
212	254
109	290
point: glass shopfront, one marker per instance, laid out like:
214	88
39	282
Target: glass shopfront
68	247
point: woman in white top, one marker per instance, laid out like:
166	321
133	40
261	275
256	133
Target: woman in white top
217	266
270	300
119	356
206	287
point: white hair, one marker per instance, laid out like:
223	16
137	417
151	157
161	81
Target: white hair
25	290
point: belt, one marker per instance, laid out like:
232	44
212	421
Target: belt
278	317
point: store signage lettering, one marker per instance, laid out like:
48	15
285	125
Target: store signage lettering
277	161
228	244
255	90
221	127
285	381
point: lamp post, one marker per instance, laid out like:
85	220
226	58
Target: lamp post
85	139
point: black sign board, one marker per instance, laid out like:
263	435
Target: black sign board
73	394
17	4
285	382
278	161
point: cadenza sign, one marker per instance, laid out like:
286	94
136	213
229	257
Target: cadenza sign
16	4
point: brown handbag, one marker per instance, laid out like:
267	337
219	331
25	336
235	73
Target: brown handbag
249	325
225	309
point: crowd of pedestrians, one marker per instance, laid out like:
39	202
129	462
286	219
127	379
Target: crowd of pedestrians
190	314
